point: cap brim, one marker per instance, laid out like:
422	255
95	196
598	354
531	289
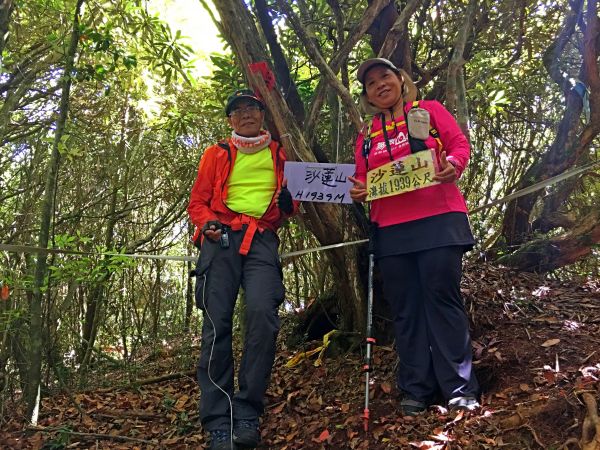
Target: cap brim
369	63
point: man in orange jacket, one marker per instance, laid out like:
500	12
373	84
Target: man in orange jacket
238	201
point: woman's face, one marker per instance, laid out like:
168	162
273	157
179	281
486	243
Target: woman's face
383	87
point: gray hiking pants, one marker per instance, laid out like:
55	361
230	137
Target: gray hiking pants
219	274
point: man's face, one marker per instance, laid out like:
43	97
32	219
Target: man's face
246	118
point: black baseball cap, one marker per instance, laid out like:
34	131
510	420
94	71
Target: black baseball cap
242	94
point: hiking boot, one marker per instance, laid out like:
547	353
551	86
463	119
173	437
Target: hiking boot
221	440
410	407
463	403
246	434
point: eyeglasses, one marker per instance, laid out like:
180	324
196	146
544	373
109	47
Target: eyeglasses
250	109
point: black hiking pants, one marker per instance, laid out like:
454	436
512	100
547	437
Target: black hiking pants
219	274
430	324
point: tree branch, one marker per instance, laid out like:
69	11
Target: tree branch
398	29
519	48
6	7
455	90
336	62
569	145
552	55
544	255
324	68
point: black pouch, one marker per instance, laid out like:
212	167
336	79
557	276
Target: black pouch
202	274
277	259
416	145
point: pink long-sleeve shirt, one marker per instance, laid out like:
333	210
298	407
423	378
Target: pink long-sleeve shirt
430	201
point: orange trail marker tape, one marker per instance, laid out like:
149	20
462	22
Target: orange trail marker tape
5	292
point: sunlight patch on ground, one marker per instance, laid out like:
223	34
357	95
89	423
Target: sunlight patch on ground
541	292
571	325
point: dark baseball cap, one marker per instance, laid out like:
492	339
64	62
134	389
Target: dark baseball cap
241	94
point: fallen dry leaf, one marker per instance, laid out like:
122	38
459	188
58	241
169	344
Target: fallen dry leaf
324	435
386	387
550	342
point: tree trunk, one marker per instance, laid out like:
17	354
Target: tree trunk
189	291
396	45
31	393
280	64
6	7
570	146
336	64
96	299
156	294
544	255
90	324
456	99
325	220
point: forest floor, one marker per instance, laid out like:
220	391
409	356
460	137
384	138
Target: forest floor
537	355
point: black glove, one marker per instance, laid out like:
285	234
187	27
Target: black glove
212	223
285	201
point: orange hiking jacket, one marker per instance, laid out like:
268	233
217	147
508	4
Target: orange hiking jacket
207	200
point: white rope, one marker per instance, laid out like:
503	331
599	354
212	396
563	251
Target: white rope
289	138
542	184
32	249
538	186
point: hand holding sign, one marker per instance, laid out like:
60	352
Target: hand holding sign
358	192
406	174
447	174
283	199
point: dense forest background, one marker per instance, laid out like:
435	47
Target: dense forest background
103	122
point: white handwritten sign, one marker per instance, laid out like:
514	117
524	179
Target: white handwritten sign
406	174
319	182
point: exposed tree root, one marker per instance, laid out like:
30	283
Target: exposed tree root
168	377
153	380
520	417
590	433
531	430
95	436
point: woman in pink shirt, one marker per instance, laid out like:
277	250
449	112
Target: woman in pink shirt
420	240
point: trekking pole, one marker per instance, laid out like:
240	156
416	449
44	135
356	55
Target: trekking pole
370	339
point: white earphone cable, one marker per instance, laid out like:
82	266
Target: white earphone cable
212	348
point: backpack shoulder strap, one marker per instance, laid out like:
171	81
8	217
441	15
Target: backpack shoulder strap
366	144
225	146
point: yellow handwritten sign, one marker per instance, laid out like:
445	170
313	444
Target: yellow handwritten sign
409	173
